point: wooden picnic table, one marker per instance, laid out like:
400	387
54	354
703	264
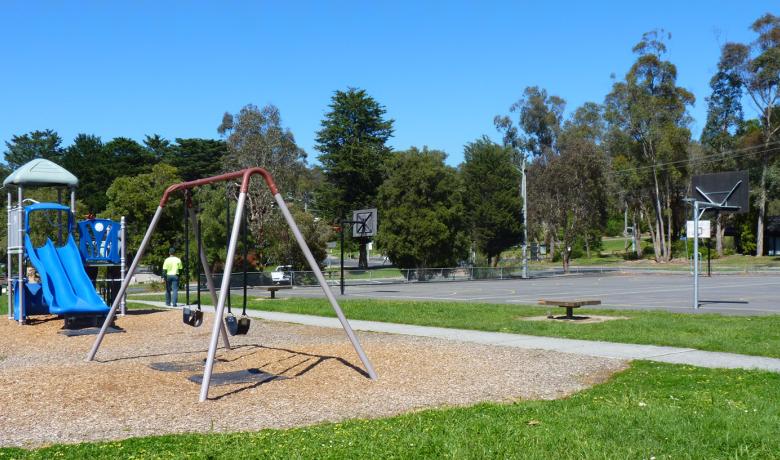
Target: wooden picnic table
569	305
274	288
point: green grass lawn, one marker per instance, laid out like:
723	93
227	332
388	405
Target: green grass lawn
612	254
737	334
652	410
752	335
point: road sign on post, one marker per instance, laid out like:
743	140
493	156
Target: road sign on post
365	223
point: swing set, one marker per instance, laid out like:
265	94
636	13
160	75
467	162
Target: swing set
235	326
231	324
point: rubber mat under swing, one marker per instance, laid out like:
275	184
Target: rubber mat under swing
237	377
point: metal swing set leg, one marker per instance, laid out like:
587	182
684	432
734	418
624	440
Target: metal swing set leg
218	327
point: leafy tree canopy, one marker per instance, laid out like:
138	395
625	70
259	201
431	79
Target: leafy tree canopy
493	205
539	125
137	198
421	213
95	168
256	137
353	149
129	158
37	144
197	158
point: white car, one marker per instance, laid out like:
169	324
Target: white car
282	274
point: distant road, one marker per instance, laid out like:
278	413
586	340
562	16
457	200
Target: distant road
727	294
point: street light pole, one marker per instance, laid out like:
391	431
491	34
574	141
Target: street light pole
525	221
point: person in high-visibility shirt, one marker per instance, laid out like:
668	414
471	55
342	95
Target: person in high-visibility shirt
171	268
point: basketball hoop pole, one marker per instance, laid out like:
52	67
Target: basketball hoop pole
699	207
342	250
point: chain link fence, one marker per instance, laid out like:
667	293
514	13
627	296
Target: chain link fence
386	275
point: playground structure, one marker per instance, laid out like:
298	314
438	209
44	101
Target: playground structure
218	326
65	288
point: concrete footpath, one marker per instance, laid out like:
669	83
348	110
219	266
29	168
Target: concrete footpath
628	351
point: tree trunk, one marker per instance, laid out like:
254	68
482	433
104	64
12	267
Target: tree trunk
637	239
762	206
720	230
565	254
552	247
650	228
587	248
668	242
659	237
363	260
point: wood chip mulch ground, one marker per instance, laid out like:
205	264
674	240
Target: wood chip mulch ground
51	395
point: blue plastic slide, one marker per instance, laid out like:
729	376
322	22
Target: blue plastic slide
66	287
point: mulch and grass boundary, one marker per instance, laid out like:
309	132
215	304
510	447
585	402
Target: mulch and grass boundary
750	335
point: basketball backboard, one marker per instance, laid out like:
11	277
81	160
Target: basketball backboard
365	223
729	189
704	229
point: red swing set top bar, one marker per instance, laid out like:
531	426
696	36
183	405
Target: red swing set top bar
245	174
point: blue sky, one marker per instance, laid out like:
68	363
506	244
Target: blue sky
442	69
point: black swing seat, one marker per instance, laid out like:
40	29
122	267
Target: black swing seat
237	326
192	317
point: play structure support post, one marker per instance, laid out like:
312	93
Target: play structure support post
224	291
73	200
125	283
324	284
8	255
20	284
209	280
59	218
123	262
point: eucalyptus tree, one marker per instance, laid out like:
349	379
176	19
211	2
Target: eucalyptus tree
534	134
650	111
256	137
757	66
719	136
572	188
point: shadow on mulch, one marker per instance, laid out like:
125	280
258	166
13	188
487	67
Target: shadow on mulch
254	376
144	311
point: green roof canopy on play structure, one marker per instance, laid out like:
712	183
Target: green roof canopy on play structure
41	172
